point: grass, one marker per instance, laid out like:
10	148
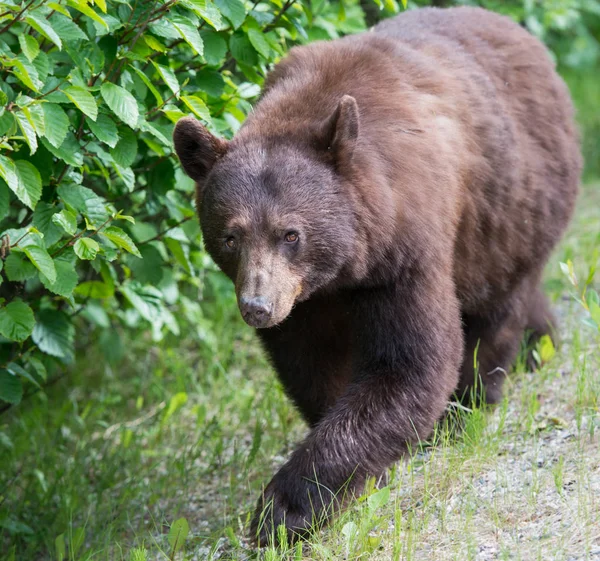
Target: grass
106	462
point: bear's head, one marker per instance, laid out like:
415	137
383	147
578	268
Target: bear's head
275	213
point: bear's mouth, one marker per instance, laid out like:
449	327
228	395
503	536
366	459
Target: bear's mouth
267	308
261	313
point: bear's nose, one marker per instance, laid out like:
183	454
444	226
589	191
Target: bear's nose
256	311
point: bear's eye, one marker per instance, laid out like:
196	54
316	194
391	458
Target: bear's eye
231	242
291	237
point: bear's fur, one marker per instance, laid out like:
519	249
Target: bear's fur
387	208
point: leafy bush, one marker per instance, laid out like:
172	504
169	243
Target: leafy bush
97	221
97	218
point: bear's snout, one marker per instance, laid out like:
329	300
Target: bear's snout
256	311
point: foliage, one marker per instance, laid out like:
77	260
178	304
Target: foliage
586	296
96	218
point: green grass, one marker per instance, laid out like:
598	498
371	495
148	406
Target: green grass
109	458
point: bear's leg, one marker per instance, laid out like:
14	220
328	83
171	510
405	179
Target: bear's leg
408	351
491	346
493	341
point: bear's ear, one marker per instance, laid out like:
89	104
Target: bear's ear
341	130
197	149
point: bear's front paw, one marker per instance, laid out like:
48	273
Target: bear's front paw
293	501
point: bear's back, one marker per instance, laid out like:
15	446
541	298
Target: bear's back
521	195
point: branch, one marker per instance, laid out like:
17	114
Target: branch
283	10
11	23
160	234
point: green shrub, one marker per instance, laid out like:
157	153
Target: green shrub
98	230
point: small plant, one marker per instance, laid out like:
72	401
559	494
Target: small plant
177	535
584	294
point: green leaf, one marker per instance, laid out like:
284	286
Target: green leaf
29	46
43	221
125	151
197	107
147	300
149	85
86	248
233	10
164	28
16	321
104	129
215	48
42	66
189	33
83	100
26	73
35	115
59	8
18	268
11	388
84	200
121	216
379	499
546	348
95	289
178	533
148	269
211	82
8	171
154	44
42	261
34	362
121	239
18	370
57	124
242	50
67	220
121	102
595	313
43	27
66	279
61	548
259	42
4	199
169	78
29	188
67	29
27	130
54	333
69	151
82	6
181	253
207	11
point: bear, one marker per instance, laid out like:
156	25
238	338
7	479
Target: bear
385	213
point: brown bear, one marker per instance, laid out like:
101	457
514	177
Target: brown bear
386	208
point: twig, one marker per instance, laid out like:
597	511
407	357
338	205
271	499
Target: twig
160	234
16	19
283	10
17	242
79	235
